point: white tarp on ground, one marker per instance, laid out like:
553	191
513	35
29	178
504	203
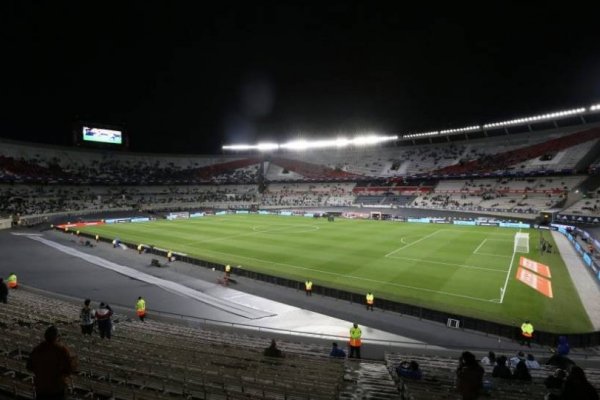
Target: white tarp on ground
173	287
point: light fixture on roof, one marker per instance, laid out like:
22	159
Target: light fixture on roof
459	130
421	134
595	107
554	115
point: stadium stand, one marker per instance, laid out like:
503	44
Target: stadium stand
439	379
155	360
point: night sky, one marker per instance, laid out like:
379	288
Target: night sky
190	76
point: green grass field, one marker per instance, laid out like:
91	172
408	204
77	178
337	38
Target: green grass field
459	269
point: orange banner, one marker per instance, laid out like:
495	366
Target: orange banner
542	285
536	267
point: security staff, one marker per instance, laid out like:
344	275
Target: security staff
308	287
526	333
169	256
140	248
370	300
97	238
12	281
227	270
140	308
355	341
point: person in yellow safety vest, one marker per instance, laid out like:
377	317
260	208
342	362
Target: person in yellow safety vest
355	341
169	256
308	287
97	238
140	248
227	270
140	308
526	333
78	232
12	281
370	299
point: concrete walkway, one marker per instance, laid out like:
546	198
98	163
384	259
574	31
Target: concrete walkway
584	282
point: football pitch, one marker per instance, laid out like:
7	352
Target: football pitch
467	270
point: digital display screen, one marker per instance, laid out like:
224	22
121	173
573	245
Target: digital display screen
102	135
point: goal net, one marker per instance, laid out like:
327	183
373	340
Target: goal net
521	242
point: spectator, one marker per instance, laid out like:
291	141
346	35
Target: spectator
501	370
576	386
86	318
103	316
469	376
556	380
516	359
3	291
273	351
521	373
531	362
410	370
490	359
51	364
336	351
563	347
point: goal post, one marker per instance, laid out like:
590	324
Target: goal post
521	242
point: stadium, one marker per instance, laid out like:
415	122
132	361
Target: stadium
297	202
434	229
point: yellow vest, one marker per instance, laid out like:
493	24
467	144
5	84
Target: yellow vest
355	335
527	330
370	298
12	278
308	285
140	305
228	268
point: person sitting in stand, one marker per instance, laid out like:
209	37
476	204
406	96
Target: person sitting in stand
490	359
556	380
521	372
531	362
336	351
576	386
409	369
273	351
501	370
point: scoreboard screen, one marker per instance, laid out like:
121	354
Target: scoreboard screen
99	135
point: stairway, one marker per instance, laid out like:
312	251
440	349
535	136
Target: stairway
368	380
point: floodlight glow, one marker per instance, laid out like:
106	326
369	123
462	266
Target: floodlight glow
239	147
554	115
267	146
595	107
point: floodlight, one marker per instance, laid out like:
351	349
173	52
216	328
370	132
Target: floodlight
595	107
267	146
553	115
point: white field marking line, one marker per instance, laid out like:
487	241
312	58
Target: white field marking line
512	260
412	243
450	264
492	255
354	277
254	232
478	247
